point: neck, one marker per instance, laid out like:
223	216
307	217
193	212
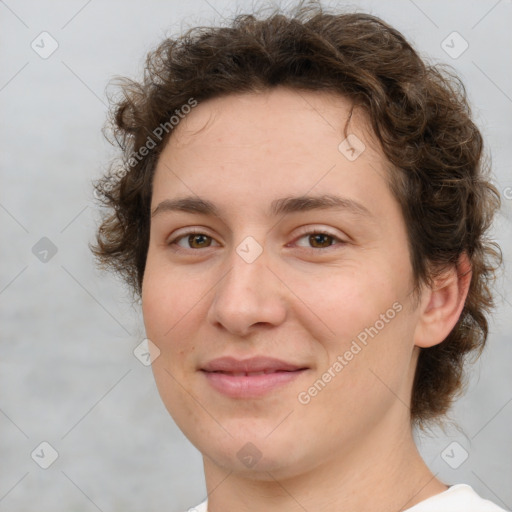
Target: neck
383	470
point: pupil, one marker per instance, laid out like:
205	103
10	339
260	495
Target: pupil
194	238
320	239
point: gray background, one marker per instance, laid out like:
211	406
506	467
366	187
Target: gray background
68	375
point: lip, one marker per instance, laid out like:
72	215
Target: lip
250	378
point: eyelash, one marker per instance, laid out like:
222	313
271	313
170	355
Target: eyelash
175	240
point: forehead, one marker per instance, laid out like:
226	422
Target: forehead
280	113
255	147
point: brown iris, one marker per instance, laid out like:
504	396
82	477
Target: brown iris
323	240
201	239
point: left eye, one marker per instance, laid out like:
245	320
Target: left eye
318	240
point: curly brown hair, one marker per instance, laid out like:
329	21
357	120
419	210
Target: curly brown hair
419	114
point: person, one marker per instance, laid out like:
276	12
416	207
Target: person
301	203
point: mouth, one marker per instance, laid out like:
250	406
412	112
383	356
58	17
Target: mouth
252	374
250	378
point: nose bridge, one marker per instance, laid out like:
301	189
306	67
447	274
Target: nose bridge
248	272
248	293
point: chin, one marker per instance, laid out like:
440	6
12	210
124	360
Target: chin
254	456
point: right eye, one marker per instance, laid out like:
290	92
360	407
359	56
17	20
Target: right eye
193	240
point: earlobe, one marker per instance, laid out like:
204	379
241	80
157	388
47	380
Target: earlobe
442	304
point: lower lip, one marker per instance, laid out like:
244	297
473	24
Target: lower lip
247	386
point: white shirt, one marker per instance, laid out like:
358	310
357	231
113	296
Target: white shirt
457	498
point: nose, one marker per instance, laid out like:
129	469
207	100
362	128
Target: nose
248	297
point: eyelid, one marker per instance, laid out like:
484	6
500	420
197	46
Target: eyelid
305	230
315	230
171	240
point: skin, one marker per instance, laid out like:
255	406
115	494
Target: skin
297	301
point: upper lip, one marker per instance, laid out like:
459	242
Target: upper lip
253	364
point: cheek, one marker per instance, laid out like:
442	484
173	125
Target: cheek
346	301
168	296
370	327
360	382
167	306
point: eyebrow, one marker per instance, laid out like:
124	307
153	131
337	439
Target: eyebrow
285	205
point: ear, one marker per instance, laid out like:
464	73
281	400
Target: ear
442	304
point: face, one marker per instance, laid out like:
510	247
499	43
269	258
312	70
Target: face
284	325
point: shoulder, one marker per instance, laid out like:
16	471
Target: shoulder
202	507
457	498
